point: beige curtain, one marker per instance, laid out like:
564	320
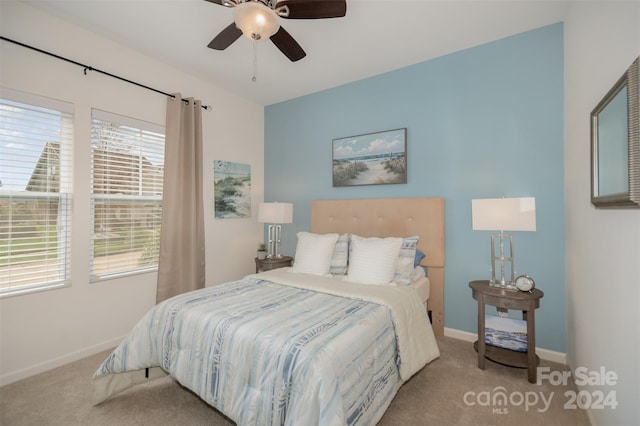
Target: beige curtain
181	263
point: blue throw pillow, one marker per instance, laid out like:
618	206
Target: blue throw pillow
419	256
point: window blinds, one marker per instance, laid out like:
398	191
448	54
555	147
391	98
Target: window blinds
35	192
127	167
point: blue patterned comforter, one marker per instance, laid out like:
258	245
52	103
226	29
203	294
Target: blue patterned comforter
278	351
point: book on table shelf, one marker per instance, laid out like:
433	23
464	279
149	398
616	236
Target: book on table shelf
505	332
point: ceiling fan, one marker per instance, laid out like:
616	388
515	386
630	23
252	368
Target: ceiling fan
258	21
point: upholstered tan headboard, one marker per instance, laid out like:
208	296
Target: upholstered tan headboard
393	217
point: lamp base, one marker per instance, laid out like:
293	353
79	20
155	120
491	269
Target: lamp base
275	233
502	262
502	285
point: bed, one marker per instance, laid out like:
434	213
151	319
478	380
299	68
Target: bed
292	346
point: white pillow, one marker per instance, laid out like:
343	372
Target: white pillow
313	253
373	260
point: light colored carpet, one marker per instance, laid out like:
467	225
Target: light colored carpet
434	396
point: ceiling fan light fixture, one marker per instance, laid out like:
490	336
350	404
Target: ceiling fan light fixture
255	20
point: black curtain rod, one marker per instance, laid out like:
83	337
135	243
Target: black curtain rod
90	68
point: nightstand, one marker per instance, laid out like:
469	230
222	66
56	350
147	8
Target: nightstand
268	264
504	300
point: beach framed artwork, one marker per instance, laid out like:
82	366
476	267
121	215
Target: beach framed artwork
505	332
370	159
232	189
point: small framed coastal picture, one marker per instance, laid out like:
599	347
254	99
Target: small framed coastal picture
232	189
370	159
505	332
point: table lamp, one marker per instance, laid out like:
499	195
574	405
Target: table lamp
275	214
503	214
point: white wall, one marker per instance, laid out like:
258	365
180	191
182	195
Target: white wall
603	246
46	329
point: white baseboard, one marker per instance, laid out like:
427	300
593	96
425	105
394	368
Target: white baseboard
546	354
14	376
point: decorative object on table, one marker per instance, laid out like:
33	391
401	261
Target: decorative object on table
525	283
615	144
505	332
262	251
275	214
232	189
503	214
370	159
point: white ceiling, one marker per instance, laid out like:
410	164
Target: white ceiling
376	36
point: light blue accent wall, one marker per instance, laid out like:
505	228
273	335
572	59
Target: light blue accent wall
485	122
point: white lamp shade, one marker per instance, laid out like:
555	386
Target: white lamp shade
275	213
257	21
504	214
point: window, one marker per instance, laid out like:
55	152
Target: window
35	192
127	166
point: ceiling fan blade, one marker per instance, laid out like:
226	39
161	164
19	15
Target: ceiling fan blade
225	37
220	2
287	45
314	9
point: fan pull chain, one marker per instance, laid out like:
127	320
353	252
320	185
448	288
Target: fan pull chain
255	61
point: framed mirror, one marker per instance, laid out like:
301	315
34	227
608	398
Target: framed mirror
615	144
